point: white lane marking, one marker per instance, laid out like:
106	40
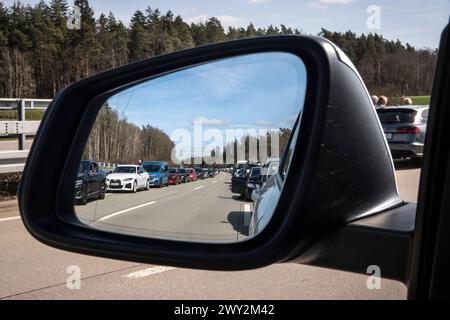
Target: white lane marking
9	219
126	210
147	272
214	181
198	188
247	214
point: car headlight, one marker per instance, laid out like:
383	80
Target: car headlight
128	179
152	177
78	183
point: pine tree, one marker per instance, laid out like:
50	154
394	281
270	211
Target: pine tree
140	45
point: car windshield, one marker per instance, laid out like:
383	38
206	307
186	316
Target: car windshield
152	167
397	115
125	170
172	170
182	170
198	170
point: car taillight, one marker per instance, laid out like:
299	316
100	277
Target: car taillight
413	130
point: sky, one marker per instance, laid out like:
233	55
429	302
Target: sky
259	92
418	22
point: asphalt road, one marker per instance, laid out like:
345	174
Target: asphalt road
31	270
204	211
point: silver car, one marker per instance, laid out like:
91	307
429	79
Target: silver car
265	197
404	127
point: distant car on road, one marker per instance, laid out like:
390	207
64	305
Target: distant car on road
192	174
405	128
90	182
240	177
128	178
253	179
212	172
202	173
184	175
158	172
175	176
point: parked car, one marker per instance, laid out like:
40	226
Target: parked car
128	178
158	172
240	177
239	181
192	174
175	176
212	172
267	188
90	182
405	128
184	175
253	179
202	173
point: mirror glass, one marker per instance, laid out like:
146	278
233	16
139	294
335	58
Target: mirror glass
199	154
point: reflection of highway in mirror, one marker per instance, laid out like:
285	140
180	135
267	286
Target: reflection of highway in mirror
203	210
187	149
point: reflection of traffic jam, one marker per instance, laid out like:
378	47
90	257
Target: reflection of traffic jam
93	182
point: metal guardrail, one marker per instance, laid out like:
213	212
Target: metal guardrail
14	161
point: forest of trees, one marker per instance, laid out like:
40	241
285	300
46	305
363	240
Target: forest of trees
248	147
114	139
39	55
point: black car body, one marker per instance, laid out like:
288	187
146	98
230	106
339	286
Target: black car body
90	182
253	178
240	177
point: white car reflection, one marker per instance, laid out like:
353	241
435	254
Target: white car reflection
128	178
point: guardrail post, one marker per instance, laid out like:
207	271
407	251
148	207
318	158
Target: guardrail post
21	117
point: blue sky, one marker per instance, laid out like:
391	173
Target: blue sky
260	91
418	22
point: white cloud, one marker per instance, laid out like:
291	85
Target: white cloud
225	19
263	123
258	1
271	16
322	4
211	122
196	19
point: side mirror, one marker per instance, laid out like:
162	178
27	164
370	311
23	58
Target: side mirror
298	81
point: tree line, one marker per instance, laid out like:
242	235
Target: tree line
114	139
39	55
248	147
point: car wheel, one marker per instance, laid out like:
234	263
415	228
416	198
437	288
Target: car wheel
147	185
84	195
134	187
160	183
102	191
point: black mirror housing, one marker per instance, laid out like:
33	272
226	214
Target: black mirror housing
326	188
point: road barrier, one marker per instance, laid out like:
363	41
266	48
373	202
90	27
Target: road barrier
14	161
